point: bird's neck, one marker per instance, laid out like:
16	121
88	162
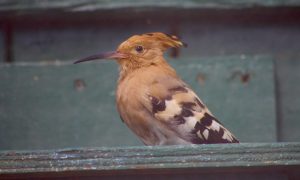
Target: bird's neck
127	67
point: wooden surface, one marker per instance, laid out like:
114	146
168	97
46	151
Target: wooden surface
164	160
76	102
204	39
47	103
288	78
91	5
40	98
2	47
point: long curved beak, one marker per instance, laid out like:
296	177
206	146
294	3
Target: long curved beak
108	55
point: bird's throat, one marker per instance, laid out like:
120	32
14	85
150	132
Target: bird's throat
127	66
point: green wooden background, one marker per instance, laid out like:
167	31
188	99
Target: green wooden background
44	106
243	61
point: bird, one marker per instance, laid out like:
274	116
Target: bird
153	101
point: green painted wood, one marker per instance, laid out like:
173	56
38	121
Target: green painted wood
288	78
50	44
58	105
211	39
31	6
52	106
257	158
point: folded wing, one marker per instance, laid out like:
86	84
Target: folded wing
183	112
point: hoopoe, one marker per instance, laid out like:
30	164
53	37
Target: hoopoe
154	102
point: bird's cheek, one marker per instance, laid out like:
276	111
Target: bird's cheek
150	55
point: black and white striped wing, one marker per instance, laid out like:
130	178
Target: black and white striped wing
184	113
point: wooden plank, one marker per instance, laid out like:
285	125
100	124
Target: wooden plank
2	49
212	38
31	6
195	159
50	44
52	106
288	78
241	38
76	102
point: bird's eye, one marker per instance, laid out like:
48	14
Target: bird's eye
139	49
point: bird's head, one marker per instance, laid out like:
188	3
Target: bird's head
139	50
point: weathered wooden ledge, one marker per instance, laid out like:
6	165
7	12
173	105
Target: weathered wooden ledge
92	5
150	159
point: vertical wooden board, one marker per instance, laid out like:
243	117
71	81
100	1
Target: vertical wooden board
56	106
48	44
288	78
2	47
239	90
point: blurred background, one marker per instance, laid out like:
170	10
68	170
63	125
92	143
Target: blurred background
243	59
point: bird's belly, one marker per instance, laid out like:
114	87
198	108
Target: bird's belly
149	129
152	134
